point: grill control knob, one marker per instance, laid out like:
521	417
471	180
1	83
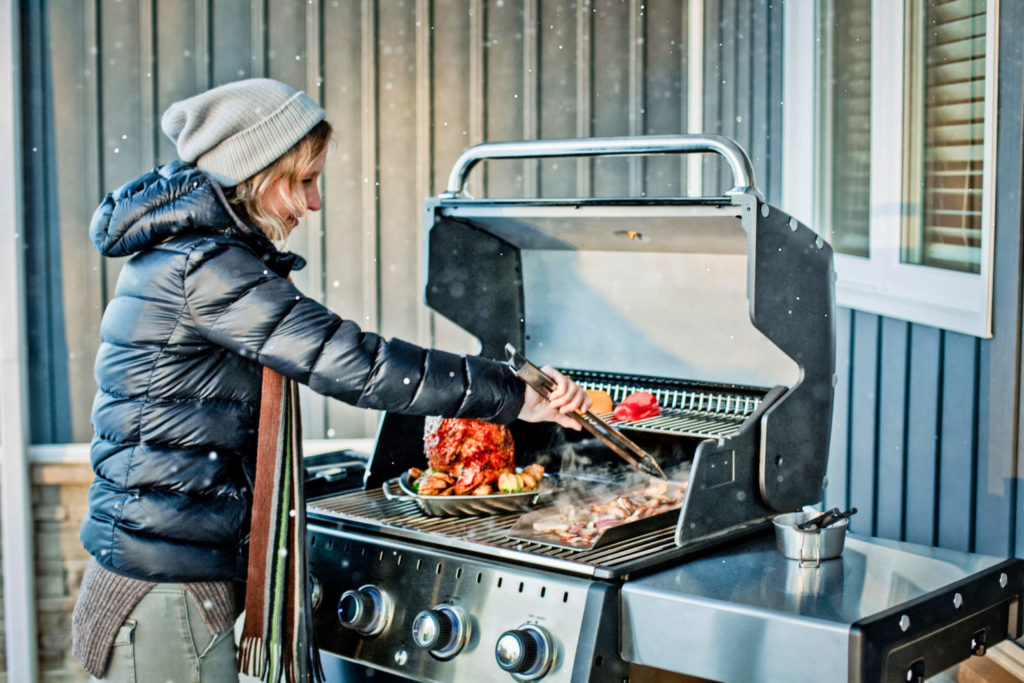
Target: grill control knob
443	631
526	652
366	611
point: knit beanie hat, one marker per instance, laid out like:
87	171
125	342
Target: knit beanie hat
236	130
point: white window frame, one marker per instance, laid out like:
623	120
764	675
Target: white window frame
881	283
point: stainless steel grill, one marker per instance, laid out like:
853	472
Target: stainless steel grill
486	536
733	332
712	337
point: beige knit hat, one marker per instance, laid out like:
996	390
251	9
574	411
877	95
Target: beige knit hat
237	129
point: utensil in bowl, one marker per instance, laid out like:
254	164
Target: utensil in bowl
809	546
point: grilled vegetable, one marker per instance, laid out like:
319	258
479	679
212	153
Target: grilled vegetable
602	401
510	483
434	483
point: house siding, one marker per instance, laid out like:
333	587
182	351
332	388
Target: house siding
926	423
409	85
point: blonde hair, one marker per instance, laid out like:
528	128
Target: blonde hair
292	166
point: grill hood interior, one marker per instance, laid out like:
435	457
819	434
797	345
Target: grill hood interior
726	290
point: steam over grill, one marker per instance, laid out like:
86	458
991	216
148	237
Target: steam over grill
722	307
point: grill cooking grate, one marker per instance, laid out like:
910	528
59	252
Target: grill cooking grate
373	511
685	411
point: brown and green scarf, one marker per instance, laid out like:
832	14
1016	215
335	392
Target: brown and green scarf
278	636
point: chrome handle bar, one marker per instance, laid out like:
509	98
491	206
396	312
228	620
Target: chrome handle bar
739	162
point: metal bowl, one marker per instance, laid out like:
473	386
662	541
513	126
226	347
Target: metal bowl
809	546
467	506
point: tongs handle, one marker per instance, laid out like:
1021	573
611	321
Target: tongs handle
611	437
835	519
816	522
826	519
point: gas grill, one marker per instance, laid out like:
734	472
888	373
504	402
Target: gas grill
722	307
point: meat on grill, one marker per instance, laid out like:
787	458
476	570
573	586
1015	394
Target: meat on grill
473	451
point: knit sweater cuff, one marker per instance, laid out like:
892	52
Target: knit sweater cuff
106	599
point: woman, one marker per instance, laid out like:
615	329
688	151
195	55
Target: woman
201	306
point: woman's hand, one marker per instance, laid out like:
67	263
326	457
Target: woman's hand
567	397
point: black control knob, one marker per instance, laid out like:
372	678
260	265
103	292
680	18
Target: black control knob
525	652
356	610
516	651
432	629
443	630
366	610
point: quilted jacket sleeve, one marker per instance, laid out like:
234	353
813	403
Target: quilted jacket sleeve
239	303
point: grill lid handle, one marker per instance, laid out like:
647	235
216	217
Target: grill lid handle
739	162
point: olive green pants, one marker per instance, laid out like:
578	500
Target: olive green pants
164	639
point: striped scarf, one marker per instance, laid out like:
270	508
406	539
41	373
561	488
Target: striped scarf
278	637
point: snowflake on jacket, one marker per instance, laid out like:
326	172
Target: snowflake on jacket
201	304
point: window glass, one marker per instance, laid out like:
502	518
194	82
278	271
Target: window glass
848	27
945	134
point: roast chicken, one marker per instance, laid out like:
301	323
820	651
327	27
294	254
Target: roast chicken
472	453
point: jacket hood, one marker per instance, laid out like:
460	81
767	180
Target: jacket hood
170	201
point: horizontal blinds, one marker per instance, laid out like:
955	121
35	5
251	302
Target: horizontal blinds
953	134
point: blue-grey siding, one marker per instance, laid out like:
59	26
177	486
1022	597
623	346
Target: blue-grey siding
926	426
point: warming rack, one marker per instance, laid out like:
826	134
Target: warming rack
687	408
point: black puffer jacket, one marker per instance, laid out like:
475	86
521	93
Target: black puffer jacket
199	307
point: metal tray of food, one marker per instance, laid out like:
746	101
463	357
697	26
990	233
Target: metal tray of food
468	506
590	523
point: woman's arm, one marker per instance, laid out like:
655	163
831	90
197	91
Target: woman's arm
238	303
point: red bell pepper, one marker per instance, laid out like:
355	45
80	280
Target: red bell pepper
637	406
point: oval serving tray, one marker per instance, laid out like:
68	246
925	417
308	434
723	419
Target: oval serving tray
467	506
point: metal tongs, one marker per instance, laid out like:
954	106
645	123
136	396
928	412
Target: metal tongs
826	519
611	437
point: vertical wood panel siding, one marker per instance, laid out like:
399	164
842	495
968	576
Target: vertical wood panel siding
892	428
926	425
430	77
505	89
743	88
400	272
836	491
72	147
611	80
349	213
556	92
665	85
864	415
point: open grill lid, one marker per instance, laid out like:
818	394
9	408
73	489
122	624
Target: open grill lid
724	289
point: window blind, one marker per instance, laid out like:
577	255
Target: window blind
946	134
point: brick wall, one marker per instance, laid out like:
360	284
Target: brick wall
59	503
